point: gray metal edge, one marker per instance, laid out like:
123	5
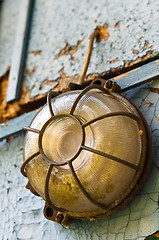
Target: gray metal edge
15	125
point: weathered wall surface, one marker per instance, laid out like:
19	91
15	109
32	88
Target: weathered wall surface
21	215
134	30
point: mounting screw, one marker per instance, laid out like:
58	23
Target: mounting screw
109	84
59	218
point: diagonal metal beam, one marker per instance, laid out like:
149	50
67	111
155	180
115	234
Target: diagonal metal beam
138	76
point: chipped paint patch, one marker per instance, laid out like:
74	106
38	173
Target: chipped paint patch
113	61
68	49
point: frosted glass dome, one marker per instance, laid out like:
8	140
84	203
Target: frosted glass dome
87	156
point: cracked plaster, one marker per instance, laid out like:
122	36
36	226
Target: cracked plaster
21	215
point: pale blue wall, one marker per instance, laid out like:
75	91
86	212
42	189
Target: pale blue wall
54	24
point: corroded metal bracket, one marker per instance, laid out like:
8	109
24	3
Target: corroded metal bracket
109	85
56	216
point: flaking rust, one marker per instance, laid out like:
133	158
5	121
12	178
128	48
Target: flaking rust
27	104
17	108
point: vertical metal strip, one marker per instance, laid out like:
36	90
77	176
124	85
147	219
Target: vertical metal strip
19	53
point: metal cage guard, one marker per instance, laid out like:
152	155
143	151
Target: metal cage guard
82	147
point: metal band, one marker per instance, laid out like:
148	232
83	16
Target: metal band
94	86
131	165
26	162
83	190
48	200
126	114
31	129
49	97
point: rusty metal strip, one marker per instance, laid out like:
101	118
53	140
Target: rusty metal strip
116	159
83	190
31	129
126	114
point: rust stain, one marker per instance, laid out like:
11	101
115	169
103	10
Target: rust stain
26	104
156	90
113	61
17	108
117	24
157	119
141	132
146	103
103	35
68	49
46	81
134	51
35	52
9	139
64	80
73	58
5	109
145	45
29	73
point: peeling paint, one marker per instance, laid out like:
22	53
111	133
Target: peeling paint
68	49
133	29
21	215
113	61
135	51
132	39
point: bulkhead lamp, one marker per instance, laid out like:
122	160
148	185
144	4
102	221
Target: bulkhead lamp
86	153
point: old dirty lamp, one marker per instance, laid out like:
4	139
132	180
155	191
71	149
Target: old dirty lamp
86	153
